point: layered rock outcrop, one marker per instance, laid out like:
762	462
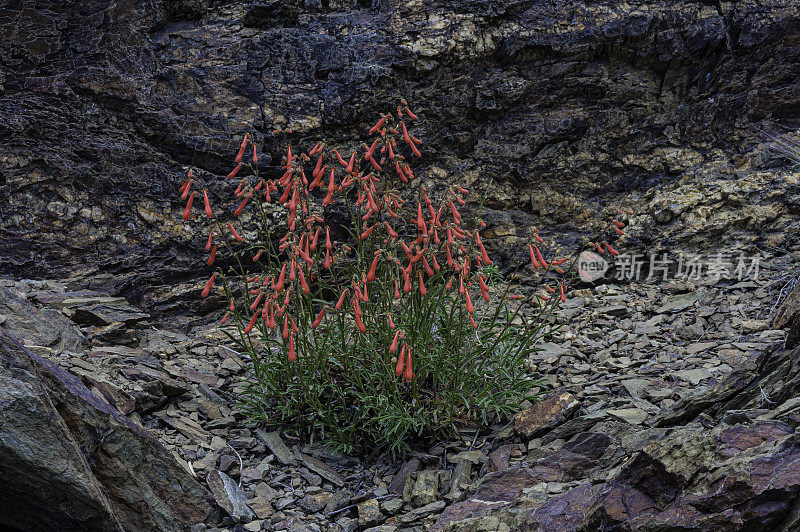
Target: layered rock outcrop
556	108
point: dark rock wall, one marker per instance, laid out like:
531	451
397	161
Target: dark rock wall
563	105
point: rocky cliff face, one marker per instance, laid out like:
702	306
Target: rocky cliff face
557	108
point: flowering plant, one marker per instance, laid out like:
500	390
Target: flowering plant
387	325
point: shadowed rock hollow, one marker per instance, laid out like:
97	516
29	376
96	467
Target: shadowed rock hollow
563	106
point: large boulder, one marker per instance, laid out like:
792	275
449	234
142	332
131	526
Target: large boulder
69	461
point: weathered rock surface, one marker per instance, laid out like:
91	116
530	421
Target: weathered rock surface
69	461
564	105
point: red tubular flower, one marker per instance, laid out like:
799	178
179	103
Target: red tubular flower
258	255
367	232
187	212
539	256
422	289
611	250
350	163
341	300
239	155
285	330
619	231
241	207
234	233
244	140
391	231
303	283
370	150
255	156
393	347
409	113
406	277
327	263
281	279
485	255
371	273
408	375
224	318
391	323
378	125
292	355
449	284
212	255
534	262
470	308
472	320
256	301
235	171
208	286
210	240
563	296
398	370
359	323
484	289
396	290
318	319
209	214
185	191
252	322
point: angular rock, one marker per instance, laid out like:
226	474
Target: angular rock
230	496
546	414
275	444
93	468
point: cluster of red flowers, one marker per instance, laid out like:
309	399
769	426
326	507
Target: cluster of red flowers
409	244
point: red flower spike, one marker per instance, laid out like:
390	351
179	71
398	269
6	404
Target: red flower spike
398	370
208	286
187	212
